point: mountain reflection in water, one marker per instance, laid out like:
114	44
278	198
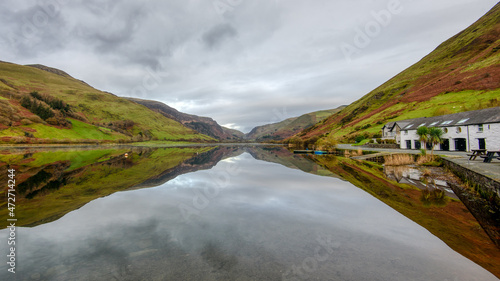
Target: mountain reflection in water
212	213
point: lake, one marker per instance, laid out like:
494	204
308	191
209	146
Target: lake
211	213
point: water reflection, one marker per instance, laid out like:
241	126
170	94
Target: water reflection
421	179
233	217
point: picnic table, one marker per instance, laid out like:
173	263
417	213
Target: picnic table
476	153
490	155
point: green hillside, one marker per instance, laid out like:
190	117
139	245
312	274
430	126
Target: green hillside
461	74
39	104
289	127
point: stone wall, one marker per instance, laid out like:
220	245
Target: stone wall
483	202
485	213
376	145
483	182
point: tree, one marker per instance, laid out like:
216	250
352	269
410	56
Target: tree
435	137
423	133
326	143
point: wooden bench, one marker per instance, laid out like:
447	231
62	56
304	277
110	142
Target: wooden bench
489	156
476	153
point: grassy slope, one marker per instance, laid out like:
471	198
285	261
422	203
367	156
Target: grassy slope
93	105
461	74
288	127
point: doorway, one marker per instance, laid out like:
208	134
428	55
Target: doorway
460	144
408	144
417	144
482	143
445	145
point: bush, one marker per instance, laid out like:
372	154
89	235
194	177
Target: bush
37	108
379	140
296	141
26	121
53	102
359	138
326	143
311	141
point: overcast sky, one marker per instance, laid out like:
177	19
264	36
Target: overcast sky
242	62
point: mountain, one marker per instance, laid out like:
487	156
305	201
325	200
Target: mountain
461	74
40	104
203	125
289	127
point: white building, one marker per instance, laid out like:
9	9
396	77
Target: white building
478	129
392	130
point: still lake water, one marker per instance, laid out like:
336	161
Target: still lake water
212	214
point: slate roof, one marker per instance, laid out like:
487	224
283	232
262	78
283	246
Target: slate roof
389	125
402	123
482	116
392	125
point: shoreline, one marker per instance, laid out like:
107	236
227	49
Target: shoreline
142	144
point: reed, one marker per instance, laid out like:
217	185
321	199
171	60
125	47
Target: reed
423	159
398	159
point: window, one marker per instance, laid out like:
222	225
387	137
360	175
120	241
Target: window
446	122
405	132
409	126
459	130
462	121
480	128
445	130
434	123
423	124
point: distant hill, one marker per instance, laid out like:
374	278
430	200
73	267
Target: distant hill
40	104
461	74
203	125
289	127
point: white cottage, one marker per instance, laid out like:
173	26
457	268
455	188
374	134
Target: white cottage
392	130
478	129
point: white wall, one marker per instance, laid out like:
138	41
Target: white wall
491	134
412	135
453	134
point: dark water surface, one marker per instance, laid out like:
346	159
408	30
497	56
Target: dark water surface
212	214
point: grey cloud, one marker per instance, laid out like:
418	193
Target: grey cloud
33	31
100	7
216	35
240	67
113	31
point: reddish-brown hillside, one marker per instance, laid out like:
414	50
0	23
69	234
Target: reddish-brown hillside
463	73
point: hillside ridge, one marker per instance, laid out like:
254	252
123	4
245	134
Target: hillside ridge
461	74
203	125
40	104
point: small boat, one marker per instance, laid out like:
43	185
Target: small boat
303	151
319	152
